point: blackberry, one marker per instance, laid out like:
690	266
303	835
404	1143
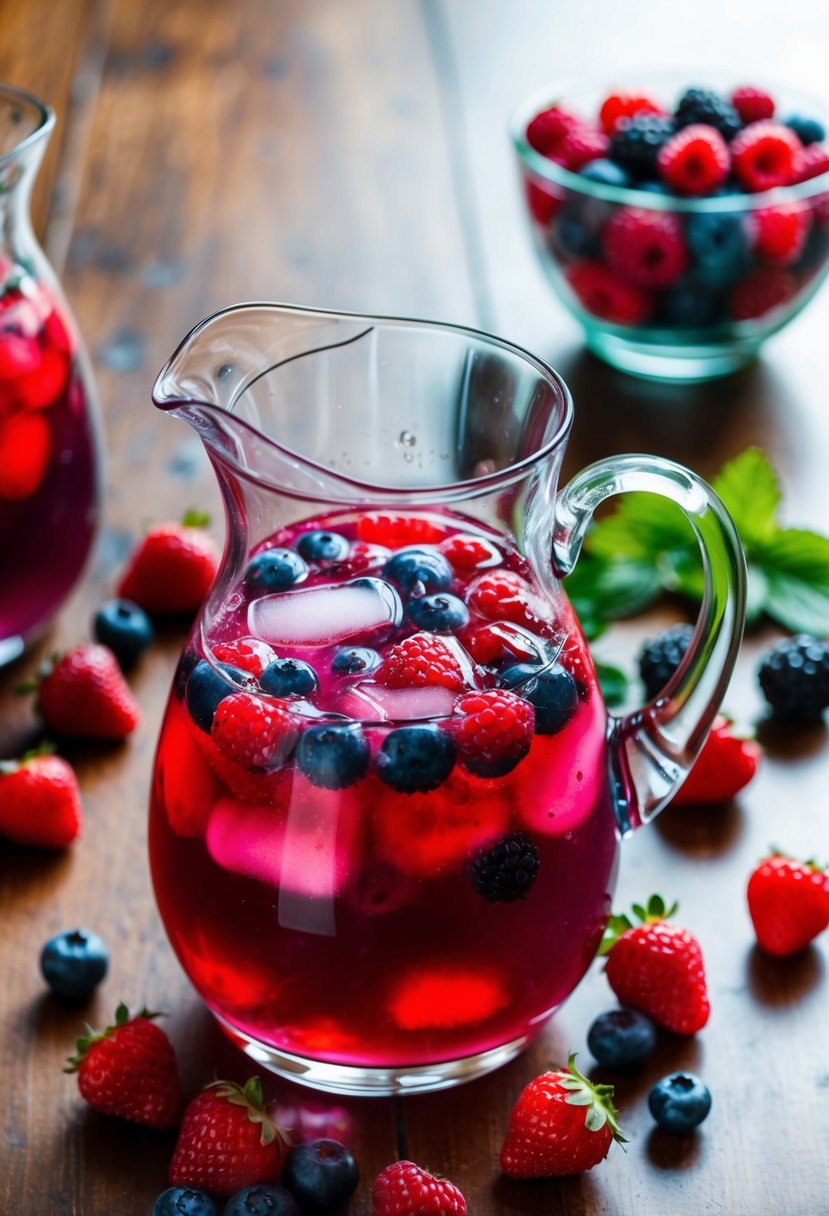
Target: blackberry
660	657
506	871
794	677
638	141
705	106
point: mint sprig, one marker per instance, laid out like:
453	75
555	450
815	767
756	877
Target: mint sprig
646	547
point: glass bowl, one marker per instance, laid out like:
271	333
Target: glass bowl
726	284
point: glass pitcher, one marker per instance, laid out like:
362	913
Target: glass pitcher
49	453
388	798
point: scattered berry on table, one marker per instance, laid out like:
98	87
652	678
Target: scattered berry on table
321	1175
124	628
495	732
275	570
657	968
418	661
289	678
726	764
561	1124
415	758
660	656
254	732
637	141
695	160
647	248
333	756
705	106
262	1200
404	1189
426	569
551	690
172	568
752	103
74	963
247	654
441	613
765	155
83	695
129	1070
679	1102
621	1038
184	1201
206	688
603	294
507	870
355	659
788	902
794	678
40	802
322	546
808	130
625	105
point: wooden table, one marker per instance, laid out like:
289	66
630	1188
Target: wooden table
354	155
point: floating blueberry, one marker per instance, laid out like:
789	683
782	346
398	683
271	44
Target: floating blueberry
262	1200
718	243
206	687
124	628
691	305
333	756
288	678
439	613
415	758
275	569
322	546
184	1201
621	1038
407	567
74	963
507	870
575	235
552	690
807	130
321	1175
355	659
679	1102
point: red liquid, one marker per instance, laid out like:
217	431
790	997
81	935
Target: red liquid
48	479
343	925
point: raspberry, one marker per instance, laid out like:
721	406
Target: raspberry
704	106
386	528
761	291
695	160
506	871
780	232
503	595
764	155
752	104
547	132
794	677
251	731
542	203
603	294
421	660
625	105
495	732
25	449
492	643
812	162
645	247
466	552
404	1189
660	657
247	654
583	144
636	143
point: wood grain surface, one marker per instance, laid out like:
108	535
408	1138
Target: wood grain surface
355	156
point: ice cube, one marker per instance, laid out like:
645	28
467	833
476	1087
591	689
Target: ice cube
317	616
371	702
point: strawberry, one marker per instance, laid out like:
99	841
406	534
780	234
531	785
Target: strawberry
129	1070
657	968
227	1140
725	765
420	660
254	732
173	567
495	732
25	447
83	695
788	901
40	803
561	1124
404	1189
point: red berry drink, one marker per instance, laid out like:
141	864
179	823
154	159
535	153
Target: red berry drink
48	480
380	834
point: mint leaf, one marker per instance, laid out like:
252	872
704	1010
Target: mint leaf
797	551
604	590
756	593
613	682
751	494
642	527
796	604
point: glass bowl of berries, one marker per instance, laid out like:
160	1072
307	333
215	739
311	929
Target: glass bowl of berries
681	225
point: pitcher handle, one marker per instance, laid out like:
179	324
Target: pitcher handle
651	750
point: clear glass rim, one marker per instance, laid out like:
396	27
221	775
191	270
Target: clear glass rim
12	93
379	491
541	167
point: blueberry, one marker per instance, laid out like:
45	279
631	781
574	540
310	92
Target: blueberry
606	172
73	963
322	546
679	1102
124	628
691	305
621	1038
262	1200
719	246
574	235
415	758
438	613
321	1175
288	678
426	566
355	659
275	569
552	690
807	130
184	1201
333	756
206	687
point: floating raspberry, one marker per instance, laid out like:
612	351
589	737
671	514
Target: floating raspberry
764	155
705	106
695	160
761	291
246	654
25	448
466	552
603	294
504	595
495	732
625	105
780	232
506	871
254	732
503	641
752	104
419	660
384	528
645	247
